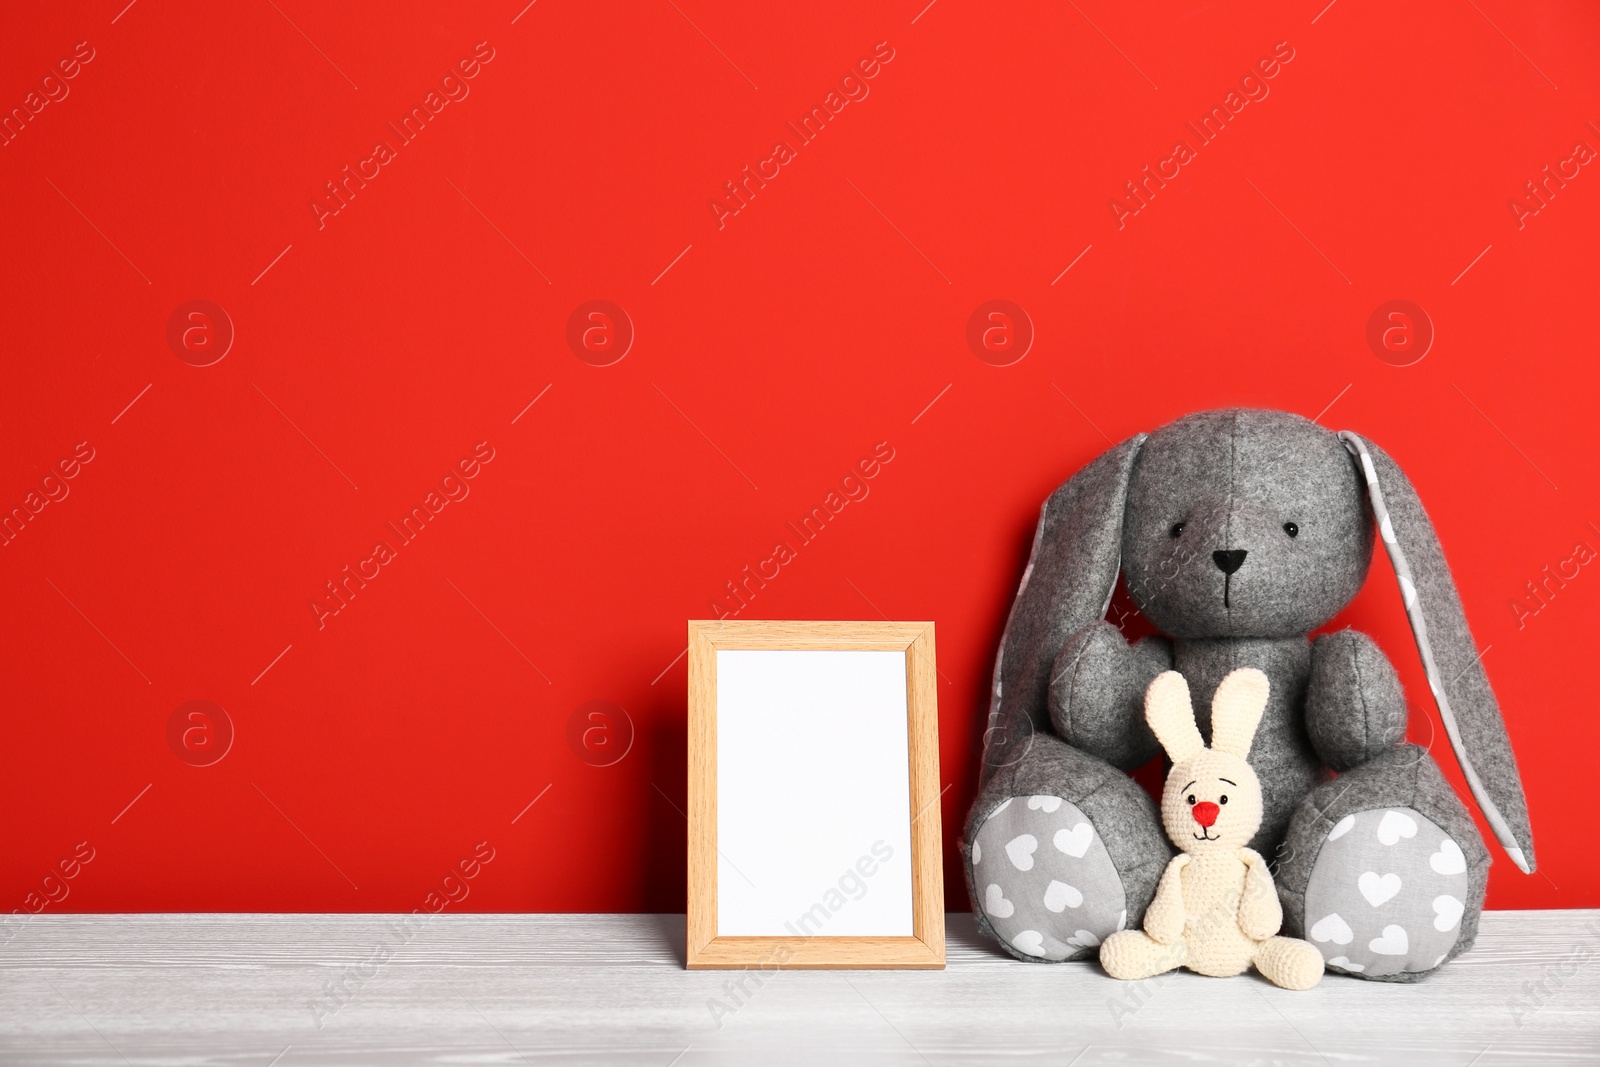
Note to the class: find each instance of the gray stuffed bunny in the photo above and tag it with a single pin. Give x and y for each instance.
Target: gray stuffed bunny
(1238, 533)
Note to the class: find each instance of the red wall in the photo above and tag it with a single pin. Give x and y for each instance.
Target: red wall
(379, 345)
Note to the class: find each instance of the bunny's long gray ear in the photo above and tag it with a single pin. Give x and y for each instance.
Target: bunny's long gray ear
(1467, 706)
(1071, 574)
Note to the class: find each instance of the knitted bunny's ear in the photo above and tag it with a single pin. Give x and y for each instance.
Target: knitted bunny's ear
(1236, 711)
(1170, 714)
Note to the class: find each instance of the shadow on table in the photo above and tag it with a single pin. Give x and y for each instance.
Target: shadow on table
(670, 928)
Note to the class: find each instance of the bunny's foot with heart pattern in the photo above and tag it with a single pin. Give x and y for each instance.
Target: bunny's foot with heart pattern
(1379, 870)
(1048, 886)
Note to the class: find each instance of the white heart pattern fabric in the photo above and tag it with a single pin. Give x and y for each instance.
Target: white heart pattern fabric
(1044, 882)
(1378, 889)
(1021, 849)
(1388, 893)
(1060, 896)
(1447, 912)
(1076, 841)
(1393, 942)
(1332, 928)
(1394, 825)
(1449, 859)
(995, 904)
(1029, 941)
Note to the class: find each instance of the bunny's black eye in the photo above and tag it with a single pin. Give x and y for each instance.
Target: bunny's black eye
(1177, 530)
(1191, 798)
(1222, 799)
(1291, 529)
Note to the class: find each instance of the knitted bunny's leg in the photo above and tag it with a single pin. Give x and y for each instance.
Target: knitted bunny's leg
(1134, 954)
(1289, 962)
(1062, 850)
(1383, 870)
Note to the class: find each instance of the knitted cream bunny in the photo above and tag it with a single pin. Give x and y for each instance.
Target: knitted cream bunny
(1216, 910)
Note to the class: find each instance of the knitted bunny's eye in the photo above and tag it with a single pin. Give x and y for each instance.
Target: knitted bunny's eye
(1223, 799)
(1291, 529)
(1191, 798)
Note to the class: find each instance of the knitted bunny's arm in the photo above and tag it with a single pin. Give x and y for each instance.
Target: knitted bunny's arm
(1165, 917)
(1260, 913)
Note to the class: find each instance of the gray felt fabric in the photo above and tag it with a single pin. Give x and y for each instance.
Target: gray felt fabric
(1355, 708)
(1387, 895)
(1238, 534)
(1233, 479)
(1097, 694)
(1404, 777)
(1066, 586)
(1453, 663)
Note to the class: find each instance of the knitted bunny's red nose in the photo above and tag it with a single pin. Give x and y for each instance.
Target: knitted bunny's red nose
(1205, 813)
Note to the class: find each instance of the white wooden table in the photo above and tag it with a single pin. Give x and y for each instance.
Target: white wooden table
(593, 989)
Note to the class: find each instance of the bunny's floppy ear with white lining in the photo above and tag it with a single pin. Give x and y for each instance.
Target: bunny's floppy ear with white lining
(1236, 710)
(1072, 571)
(1170, 713)
(1467, 705)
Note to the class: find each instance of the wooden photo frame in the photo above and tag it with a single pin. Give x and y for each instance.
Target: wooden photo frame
(814, 830)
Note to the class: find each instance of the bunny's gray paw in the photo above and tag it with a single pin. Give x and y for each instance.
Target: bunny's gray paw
(1387, 895)
(1383, 870)
(1062, 851)
(1097, 693)
(1049, 888)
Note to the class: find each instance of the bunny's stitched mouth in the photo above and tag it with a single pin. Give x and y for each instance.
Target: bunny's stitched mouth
(1205, 835)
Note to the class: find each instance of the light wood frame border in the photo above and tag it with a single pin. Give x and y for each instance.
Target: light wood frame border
(924, 949)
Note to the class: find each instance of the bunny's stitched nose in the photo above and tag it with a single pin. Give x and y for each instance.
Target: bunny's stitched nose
(1229, 560)
(1205, 813)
